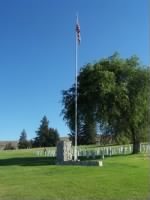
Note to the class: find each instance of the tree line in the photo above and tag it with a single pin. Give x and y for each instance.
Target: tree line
(113, 96)
(45, 136)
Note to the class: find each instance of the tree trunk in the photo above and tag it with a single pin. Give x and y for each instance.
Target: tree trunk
(136, 147)
(136, 141)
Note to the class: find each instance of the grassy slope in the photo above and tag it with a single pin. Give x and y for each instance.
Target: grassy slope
(22, 176)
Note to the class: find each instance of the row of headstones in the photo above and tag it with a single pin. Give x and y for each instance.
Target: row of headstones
(87, 153)
(106, 151)
(145, 148)
(49, 153)
(109, 151)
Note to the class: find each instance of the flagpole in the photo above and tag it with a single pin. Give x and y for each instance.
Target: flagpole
(76, 93)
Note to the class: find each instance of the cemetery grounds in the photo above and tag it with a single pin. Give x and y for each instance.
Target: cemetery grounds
(24, 175)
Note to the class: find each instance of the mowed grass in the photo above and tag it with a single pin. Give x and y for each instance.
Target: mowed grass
(24, 176)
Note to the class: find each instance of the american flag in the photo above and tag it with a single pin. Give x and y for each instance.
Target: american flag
(78, 32)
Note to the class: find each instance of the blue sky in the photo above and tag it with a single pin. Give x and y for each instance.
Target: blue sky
(37, 53)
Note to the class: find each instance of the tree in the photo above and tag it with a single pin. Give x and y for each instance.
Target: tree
(23, 142)
(113, 93)
(86, 133)
(43, 133)
(53, 137)
(45, 136)
(9, 146)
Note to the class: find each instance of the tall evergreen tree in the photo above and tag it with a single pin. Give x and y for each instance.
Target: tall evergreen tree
(43, 133)
(45, 136)
(23, 142)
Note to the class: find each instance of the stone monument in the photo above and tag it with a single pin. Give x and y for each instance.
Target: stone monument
(64, 156)
(64, 151)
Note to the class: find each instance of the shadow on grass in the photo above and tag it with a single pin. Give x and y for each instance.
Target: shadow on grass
(101, 158)
(38, 161)
(28, 161)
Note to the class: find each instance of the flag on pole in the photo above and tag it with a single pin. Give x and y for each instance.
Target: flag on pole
(78, 31)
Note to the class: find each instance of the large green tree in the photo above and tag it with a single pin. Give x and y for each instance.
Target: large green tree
(113, 93)
(86, 124)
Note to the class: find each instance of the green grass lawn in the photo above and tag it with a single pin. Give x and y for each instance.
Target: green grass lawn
(24, 176)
